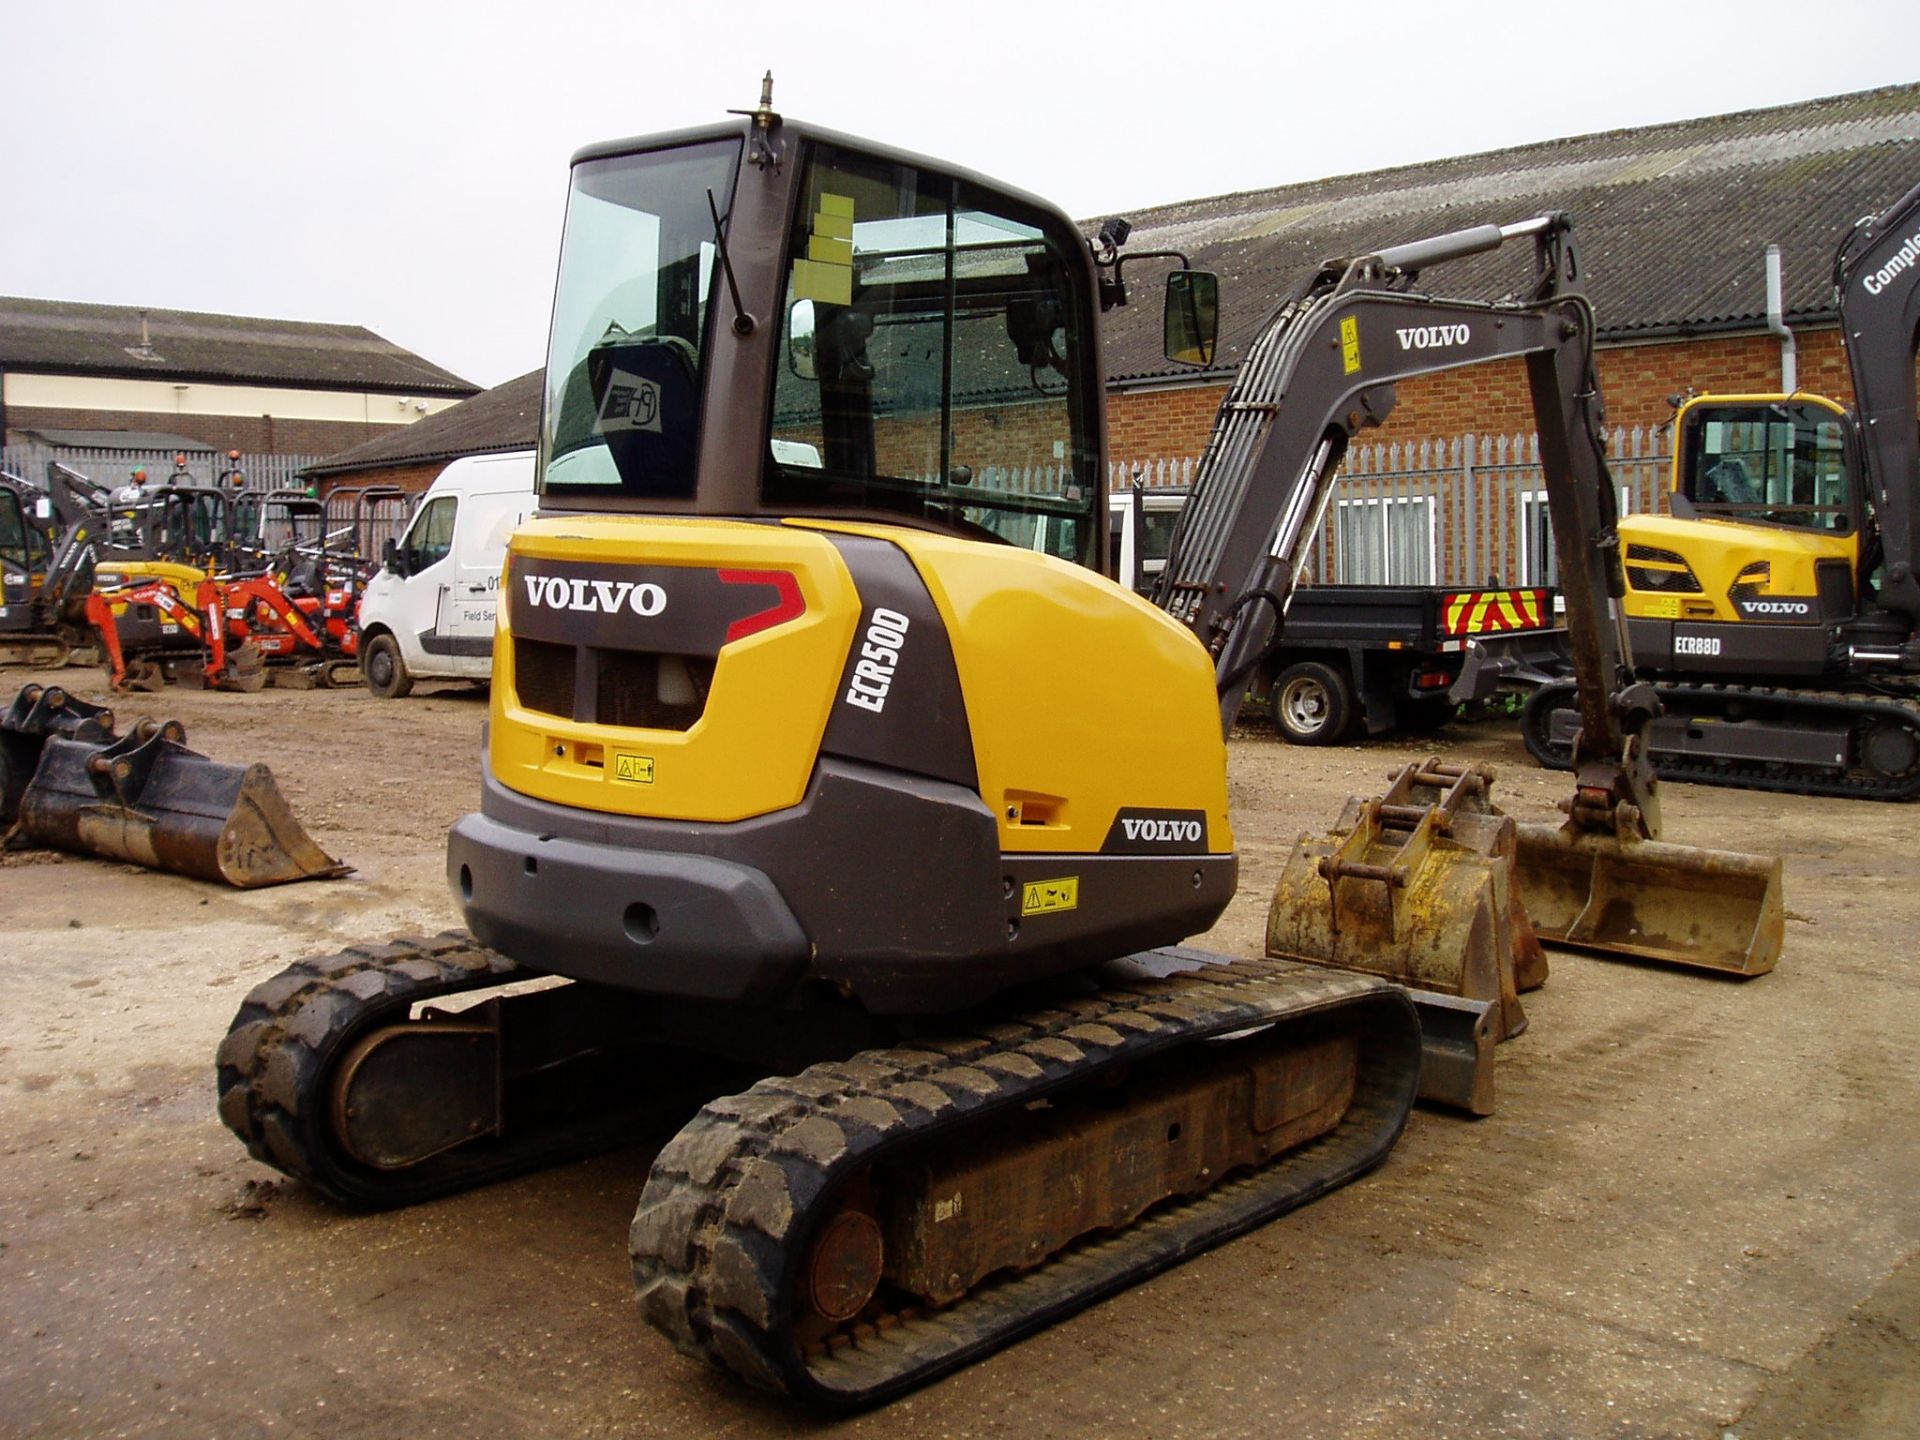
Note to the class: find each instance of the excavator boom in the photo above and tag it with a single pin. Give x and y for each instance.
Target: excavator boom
(1876, 277)
(1324, 367)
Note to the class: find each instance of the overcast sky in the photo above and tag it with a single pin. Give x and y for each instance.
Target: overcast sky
(403, 166)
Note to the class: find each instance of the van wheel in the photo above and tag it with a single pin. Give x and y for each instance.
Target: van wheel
(385, 672)
(1312, 704)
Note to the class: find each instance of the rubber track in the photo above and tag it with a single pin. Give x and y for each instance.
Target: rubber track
(730, 1204)
(273, 1062)
(1752, 774)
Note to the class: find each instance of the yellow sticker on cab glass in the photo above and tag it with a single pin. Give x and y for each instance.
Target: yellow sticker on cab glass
(634, 769)
(1350, 343)
(1043, 897)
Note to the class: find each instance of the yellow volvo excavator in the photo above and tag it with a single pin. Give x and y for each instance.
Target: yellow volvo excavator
(1777, 605)
(832, 804)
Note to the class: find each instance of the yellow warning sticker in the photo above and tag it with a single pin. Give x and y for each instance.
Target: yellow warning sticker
(1350, 343)
(828, 284)
(829, 251)
(826, 275)
(634, 769)
(1663, 607)
(1043, 897)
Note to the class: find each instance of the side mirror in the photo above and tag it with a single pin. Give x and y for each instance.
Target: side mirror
(1192, 322)
(43, 509)
(800, 323)
(390, 557)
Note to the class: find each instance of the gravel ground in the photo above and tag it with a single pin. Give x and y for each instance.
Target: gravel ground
(1694, 1212)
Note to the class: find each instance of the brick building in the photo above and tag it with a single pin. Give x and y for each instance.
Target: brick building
(506, 417)
(1672, 222)
(229, 382)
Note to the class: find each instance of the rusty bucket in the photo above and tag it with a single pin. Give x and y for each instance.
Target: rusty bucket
(146, 798)
(1717, 910)
(1416, 886)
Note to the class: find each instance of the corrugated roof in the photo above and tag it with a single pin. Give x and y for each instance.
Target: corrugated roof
(506, 417)
(1672, 221)
(68, 338)
(114, 440)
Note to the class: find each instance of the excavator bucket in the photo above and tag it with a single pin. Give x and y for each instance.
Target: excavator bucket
(146, 798)
(38, 713)
(1648, 900)
(1416, 886)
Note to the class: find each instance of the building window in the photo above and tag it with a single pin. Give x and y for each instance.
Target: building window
(1539, 563)
(1386, 541)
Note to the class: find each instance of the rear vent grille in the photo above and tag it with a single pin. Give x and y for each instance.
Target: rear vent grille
(543, 675)
(631, 688)
(651, 692)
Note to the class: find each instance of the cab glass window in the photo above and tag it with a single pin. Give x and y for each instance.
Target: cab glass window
(432, 534)
(934, 361)
(622, 408)
(1784, 464)
(13, 530)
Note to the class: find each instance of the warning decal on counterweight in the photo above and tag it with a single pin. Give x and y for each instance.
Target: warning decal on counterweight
(1043, 897)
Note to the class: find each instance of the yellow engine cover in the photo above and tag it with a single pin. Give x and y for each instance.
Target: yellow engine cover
(1080, 698)
(1767, 560)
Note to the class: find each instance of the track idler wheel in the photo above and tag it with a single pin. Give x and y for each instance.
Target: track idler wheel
(844, 1267)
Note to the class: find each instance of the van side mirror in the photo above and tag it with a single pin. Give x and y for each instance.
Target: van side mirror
(1191, 324)
(390, 557)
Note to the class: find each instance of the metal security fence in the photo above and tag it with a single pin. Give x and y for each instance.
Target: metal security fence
(113, 466)
(1470, 510)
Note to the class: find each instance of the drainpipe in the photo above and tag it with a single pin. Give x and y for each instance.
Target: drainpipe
(1777, 324)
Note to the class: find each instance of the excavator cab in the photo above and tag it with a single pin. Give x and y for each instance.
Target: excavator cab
(1778, 560)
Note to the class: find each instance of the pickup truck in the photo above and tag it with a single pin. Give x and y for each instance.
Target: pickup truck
(1382, 656)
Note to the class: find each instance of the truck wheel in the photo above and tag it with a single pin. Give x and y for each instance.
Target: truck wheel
(385, 672)
(1312, 704)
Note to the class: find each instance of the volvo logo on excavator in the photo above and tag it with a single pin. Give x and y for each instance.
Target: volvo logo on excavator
(1434, 337)
(594, 597)
(1146, 831)
(1791, 609)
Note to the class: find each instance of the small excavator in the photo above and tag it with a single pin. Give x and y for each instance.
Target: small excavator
(866, 841)
(49, 545)
(1776, 608)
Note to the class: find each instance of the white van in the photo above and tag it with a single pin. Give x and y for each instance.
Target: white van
(428, 614)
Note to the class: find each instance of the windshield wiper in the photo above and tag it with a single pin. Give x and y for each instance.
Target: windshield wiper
(742, 321)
